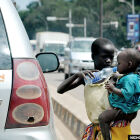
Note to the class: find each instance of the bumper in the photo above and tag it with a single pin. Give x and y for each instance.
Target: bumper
(32, 133)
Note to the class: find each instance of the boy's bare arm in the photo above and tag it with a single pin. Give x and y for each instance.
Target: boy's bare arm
(70, 83)
(74, 81)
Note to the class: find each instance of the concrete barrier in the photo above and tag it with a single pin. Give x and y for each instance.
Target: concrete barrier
(75, 125)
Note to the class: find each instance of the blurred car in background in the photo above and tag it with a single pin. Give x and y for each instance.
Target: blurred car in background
(137, 46)
(114, 63)
(33, 44)
(25, 104)
(78, 56)
(53, 42)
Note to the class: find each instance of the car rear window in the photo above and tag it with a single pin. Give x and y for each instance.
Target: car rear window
(5, 56)
(81, 46)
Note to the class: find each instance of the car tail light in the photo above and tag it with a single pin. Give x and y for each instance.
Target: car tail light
(29, 104)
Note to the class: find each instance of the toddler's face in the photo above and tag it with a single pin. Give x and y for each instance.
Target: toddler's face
(122, 66)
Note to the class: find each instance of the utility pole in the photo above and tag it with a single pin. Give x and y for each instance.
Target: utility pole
(133, 7)
(101, 18)
(70, 25)
(85, 29)
(70, 22)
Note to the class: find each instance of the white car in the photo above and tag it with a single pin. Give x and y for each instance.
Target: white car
(25, 106)
(78, 56)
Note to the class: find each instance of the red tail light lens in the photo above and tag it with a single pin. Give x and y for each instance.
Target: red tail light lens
(29, 104)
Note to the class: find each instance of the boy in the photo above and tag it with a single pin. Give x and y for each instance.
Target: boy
(102, 51)
(125, 96)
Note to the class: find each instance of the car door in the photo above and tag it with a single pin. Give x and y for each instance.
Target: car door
(5, 73)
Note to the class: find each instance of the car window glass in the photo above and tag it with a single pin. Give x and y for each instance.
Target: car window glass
(81, 46)
(55, 48)
(5, 57)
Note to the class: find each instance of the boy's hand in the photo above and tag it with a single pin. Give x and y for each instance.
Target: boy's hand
(86, 73)
(109, 86)
(90, 73)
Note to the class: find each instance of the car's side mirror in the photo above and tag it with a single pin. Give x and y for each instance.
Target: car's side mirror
(48, 61)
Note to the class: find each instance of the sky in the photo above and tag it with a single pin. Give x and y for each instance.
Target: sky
(23, 3)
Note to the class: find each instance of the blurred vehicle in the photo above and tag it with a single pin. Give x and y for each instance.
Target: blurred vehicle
(33, 44)
(49, 37)
(114, 63)
(25, 104)
(53, 42)
(137, 46)
(78, 56)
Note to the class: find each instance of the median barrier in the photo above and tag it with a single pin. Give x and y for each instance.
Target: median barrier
(75, 125)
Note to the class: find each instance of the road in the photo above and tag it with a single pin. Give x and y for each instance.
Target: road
(56, 78)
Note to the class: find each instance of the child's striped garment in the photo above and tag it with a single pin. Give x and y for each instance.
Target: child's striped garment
(119, 131)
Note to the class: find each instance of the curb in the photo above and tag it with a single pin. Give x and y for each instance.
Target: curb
(76, 126)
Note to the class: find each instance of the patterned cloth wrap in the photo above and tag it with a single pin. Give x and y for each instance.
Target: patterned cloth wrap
(119, 131)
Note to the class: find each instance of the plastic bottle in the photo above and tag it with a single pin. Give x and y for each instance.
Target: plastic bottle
(104, 73)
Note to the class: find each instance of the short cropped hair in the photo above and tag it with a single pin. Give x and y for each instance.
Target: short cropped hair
(96, 45)
(134, 56)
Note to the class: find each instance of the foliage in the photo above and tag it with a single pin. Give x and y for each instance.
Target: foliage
(34, 18)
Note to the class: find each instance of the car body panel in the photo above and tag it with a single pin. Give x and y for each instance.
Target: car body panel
(5, 92)
(33, 133)
(18, 39)
(20, 48)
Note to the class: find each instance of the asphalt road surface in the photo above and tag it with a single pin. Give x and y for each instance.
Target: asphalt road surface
(57, 78)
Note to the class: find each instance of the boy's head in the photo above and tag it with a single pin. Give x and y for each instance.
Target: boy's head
(128, 61)
(102, 51)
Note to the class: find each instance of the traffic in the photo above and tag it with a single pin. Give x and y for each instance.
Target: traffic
(52, 77)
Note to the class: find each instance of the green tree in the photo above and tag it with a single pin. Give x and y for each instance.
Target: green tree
(34, 18)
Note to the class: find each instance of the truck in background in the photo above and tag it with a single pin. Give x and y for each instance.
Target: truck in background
(53, 42)
(33, 44)
(78, 56)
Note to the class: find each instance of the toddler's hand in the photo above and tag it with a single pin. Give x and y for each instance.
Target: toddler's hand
(109, 86)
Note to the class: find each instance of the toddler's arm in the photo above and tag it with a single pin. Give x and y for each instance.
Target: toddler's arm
(112, 89)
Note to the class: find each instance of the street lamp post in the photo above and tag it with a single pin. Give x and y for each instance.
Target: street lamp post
(131, 5)
(79, 25)
(115, 23)
(85, 29)
(70, 25)
(53, 18)
(70, 22)
(101, 18)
